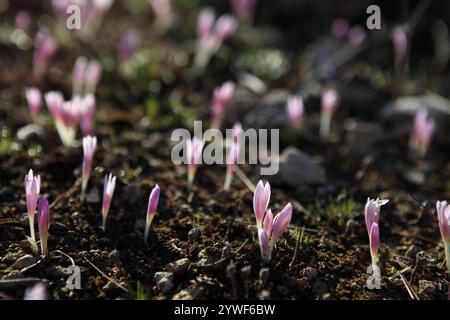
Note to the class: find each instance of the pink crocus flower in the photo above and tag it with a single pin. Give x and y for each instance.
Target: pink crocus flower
(261, 199)
(93, 76)
(87, 114)
(32, 190)
(194, 149)
(127, 46)
(339, 28)
(36, 292)
(244, 9)
(151, 209)
(108, 191)
(34, 99)
(374, 240)
(222, 97)
(422, 132)
(43, 223)
(78, 75)
(295, 110)
(45, 48)
(329, 102)
(272, 230)
(400, 43)
(89, 145)
(233, 154)
(372, 212)
(443, 213)
(356, 36)
(205, 23)
(225, 26)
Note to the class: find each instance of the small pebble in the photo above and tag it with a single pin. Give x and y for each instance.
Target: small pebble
(25, 261)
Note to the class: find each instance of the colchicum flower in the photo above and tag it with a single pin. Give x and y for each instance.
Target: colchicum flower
(43, 223)
(295, 110)
(151, 209)
(400, 44)
(93, 76)
(32, 190)
(422, 132)
(339, 28)
(233, 154)
(34, 100)
(78, 76)
(85, 77)
(194, 149)
(372, 218)
(89, 145)
(222, 97)
(329, 103)
(272, 230)
(261, 199)
(244, 9)
(128, 44)
(87, 114)
(45, 48)
(211, 34)
(108, 191)
(443, 213)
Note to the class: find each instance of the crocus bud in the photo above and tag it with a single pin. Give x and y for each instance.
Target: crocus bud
(264, 245)
(78, 75)
(329, 103)
(244, 9)
(32, 190)
(43, 223)
(37, 292)
(89, 145)
(87, 114)
(225, 26)
(422, 132)
(108, 191)
(222, 97)
(268, 222)
(233, 154)
(372, 212)
(339, 28)
(194, 149)
(205, 22)
(294, 108)
(151, 209)
(281, 222)
(356, 36)
(400, 43)
(93, 75)
(128, 45)
(45, 48)
(34, 99)
(443, 213)
(374, 242)
(261, 199)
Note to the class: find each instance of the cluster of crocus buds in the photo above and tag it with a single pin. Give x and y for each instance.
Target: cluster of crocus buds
(194, 150)
(32, 189)
(211, 34)
(269, 228)
(89, 145)
(108, 191)
(45, 48)
(34, 100)
(372, 218)
(222, 97)
(400, 44)
(443, 213)
(85, 77)
(151, 209)
(43, 212)
(295, 110)
(329, 102)
(244, 9)
(422, 132)
(127, 46)
(233, 154)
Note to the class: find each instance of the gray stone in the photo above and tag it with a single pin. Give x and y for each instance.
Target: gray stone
(179, 267)
(310, 273)
(25, 261)
(164, 281)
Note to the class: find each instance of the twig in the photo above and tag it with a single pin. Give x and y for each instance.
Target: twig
(409, 288)
(296, 248)
(103, 274)
(245, 180)
(241, 246)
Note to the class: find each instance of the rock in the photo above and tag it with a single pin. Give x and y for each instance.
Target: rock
(189, 294)
(193, 234)
(296, 168)
(319, 287)
(226, 252)
(164, 281)
(310, 273)
(263, 295)
(412, 251)
(25, 261)
(361, 136)
(179, 267)
(204, 258)
(270, 112)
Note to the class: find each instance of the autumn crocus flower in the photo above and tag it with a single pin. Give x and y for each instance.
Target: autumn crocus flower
(128, 44)
(151, 209)
(339, 28)
(233, 154)
(261, 199)
(34, 100)
(443, 213)
(194, 149)
(87, 114)
(211, 34)
(329, 103)
(93, 75)
(272, 230)
(89, 145)
(43, 223)
(78, 75)
(372, 218)
(374, 241)
(422, 132)
(294, 109)
(244, 9)
(400, 44)
(32, 190)
(45, 48)
(108, 191)
(222, 97)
